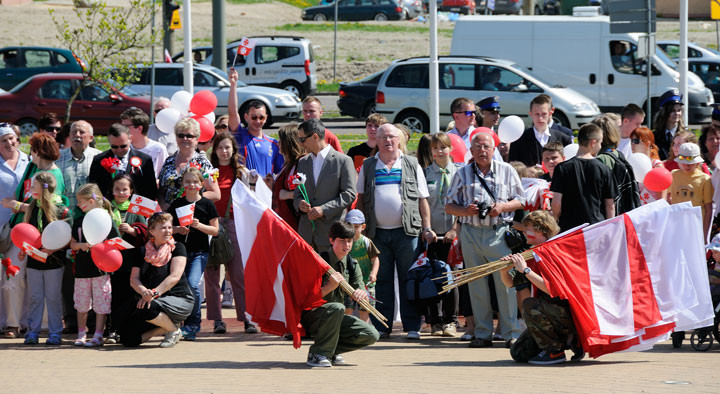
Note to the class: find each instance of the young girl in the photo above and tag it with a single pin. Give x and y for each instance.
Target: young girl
(44, 279)
(92, 286)
(195, 237)
(123, 189)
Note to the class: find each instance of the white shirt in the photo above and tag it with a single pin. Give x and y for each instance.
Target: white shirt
(388, 197)
(625, 147)
(542, 137)
(318, 161)
(466, 137)
(158, 152)
(671, 131)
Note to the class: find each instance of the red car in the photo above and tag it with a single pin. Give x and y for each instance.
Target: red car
(101, 105)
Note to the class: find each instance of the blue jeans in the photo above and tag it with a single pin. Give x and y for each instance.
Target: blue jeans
(194, 269)
(44, 288)
(397, 251)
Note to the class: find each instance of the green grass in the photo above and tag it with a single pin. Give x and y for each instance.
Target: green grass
(356, 26)
(101, 143)
(296, 3)
(328, 87)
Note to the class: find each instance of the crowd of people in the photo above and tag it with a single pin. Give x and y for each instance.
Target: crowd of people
(370, 213)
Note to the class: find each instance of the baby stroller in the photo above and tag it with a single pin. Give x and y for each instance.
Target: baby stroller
(702, 338)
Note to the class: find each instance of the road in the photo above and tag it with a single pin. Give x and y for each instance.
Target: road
(343, 125)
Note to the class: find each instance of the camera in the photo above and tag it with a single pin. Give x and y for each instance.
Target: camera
(483, 209)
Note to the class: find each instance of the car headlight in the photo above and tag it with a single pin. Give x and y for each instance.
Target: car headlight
(303, 13)
(286, 100)
(584, 107)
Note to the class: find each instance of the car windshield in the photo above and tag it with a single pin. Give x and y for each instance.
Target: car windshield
(129, 91)
(665, 58)
(535, 78)
(375, 76)
(226, 78)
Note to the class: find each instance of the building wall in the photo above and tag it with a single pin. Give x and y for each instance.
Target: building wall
(671, 8)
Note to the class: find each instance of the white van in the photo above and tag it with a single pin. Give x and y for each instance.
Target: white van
(582, 54)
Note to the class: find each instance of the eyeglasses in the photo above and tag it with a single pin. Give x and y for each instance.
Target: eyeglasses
(119, 146)
(258, 117)
(53, 128)
(185, 136)
(221, 126)
(467, 113)
(635, 141)
(303, 139)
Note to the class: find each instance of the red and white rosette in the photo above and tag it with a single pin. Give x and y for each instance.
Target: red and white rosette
(135, 164)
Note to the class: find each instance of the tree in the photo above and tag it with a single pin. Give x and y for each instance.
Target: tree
(108, 40)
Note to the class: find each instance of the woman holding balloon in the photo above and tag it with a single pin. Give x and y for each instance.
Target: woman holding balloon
(92, 286)
(44, 269)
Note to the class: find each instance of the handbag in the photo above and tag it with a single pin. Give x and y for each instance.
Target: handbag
(514, 239)
(5, 240)
(221, 247)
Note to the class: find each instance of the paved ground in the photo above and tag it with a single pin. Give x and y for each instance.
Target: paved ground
(238, 362)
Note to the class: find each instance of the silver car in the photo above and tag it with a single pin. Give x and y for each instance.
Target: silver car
(281, 104)
(402, 93)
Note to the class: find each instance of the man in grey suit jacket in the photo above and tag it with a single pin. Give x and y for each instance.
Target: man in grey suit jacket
(330, 184)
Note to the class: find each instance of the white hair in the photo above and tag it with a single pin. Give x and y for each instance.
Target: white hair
(79, 123)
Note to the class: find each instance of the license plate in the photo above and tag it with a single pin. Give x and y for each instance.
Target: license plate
(454, 9)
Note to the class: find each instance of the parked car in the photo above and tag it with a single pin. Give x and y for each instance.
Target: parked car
(547, 7)
(412, 8)
(465, 7)
(357, 99)
(502, 7)
(20, 63)
(285, 62)
(100, 104)
(709, 71)
(402, 93)
(695, 51)
(356, 10)
(281, 104)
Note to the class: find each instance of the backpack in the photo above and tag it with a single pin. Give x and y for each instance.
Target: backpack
(421, 286)
(628, 196)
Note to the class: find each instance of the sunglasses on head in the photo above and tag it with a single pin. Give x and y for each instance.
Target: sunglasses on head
(467, 113)
(119, 146)
(258, 117)
(221, 127)
(185, 136)
(53, 128)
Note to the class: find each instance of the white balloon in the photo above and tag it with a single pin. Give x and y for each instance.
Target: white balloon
(181, 101)
(56, 235)
(211, 117)
(511, 128)
(570, 151)
(641, 165)
(717, 160)
(166, 119)
(96, 225)
(468, 156)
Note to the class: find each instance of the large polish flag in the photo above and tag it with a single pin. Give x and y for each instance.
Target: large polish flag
(283, 274)
(633, 279)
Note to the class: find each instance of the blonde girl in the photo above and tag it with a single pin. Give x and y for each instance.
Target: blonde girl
(92, 286)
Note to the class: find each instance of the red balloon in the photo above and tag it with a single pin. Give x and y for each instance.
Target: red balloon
(207, 128)
(26, 232)
(458, 148)
(496, 138)
(203, 102)
(658, 179)
(106, 257)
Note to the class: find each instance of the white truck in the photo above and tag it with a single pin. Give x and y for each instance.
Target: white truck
(582, 54)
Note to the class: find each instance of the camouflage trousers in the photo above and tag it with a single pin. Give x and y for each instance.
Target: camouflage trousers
(549, 327)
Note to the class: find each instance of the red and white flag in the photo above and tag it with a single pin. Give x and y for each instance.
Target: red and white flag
(246, 45)
(34, 252)
(142, 206)
(283, 274)
(185, 214)
(168, 58)
(632, 279)
(120, 243)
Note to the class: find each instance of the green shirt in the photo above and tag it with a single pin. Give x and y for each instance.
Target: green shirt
(364, 250)
(350, 270)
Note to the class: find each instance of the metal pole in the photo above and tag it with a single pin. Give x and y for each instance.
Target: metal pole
(167, 38)
(717, 34)
(648, 64)
(152, 65)
(434, 99)
(684, 56)
(187, 41)
(335, 43)
(219, 40)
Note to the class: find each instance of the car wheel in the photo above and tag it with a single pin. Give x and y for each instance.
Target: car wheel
(28, 126)
(414, 120)
(369, 109)
(560, 117)
(293, 87)
(320, 17)
(380, 17)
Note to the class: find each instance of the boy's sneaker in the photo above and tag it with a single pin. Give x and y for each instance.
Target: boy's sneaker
(413, 335)
(436, 330)
(338, 360)
(227, 298)
(220, 327)
(54, 339)
(171, 339)
(251, 329)
(547, 358)
(449, 330)
(31, 339)
(189, 332)
(318, 360)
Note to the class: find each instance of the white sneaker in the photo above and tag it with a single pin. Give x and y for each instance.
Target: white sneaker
(413, 335)
(227, 298)
(171, 338)
(318, 360)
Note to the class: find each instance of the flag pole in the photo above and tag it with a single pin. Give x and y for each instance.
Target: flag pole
(363, 303)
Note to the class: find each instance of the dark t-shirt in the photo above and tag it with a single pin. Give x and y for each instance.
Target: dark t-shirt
(205, 211)
(54, 260)
(585, 184)
(359, 153)
(546, 176)
(84, 266)
(151, 276)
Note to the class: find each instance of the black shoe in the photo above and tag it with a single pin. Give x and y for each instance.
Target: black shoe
(578, 353)
(548, 358)
(677, 338)
(480, 343)
(510, 342)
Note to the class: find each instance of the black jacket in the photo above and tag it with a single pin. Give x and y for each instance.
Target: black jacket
(528, 150)
(143, 179)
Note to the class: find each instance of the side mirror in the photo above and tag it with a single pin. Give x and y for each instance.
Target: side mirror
(115, 98)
